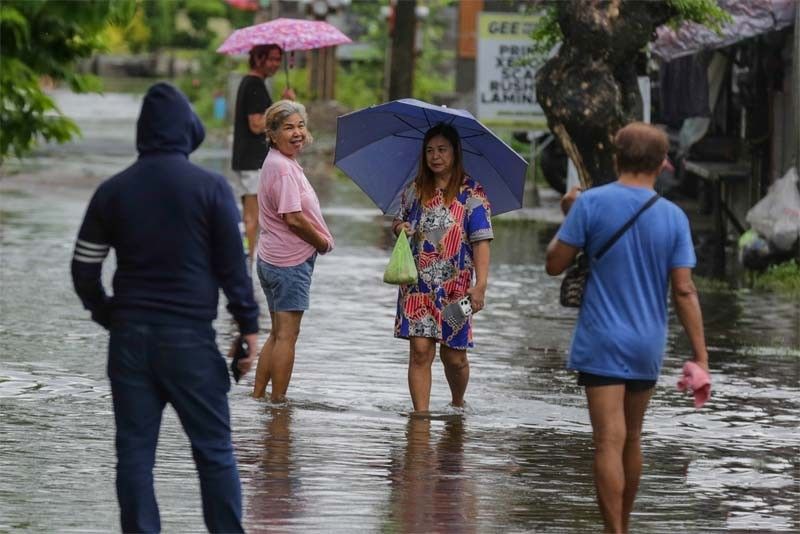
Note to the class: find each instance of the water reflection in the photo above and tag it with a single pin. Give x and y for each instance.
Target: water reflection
(520, 242)
(275, 498)
(430, 489)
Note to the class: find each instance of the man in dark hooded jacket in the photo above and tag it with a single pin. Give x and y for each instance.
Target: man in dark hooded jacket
(174, 228)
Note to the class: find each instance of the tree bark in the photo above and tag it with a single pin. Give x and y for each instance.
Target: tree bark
(589, 90)
(401, 74)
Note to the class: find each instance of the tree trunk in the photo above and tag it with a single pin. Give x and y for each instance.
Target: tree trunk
(588, 90)
(401, 75)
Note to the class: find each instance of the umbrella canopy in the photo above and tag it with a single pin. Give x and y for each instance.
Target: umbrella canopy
(289, 34)
(379, 148)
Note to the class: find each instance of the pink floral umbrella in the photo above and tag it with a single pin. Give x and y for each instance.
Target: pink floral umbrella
(289, 34)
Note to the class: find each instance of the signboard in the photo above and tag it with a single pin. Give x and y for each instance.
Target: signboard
(505, 82)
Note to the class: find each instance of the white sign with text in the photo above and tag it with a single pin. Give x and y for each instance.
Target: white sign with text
(505, 87)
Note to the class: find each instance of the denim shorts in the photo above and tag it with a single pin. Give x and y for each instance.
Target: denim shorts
(286, 288)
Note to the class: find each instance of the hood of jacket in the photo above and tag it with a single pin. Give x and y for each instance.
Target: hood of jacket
(167, 122)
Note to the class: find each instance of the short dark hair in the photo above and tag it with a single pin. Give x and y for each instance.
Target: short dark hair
(641, 148)
(261, 51)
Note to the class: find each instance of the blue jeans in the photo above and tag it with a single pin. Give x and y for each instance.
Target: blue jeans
(149, 366)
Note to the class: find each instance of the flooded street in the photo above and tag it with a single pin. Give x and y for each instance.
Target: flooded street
(343, 455)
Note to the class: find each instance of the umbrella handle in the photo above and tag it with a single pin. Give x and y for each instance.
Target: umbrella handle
(286, 68)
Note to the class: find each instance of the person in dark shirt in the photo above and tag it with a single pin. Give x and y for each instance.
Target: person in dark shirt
(174, 228)
(249, 133)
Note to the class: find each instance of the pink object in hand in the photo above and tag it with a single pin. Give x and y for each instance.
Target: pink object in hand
(698, 381)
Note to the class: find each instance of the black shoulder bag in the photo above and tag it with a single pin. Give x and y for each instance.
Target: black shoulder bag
(574, 281)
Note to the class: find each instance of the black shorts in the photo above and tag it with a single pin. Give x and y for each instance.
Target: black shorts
(590, 380)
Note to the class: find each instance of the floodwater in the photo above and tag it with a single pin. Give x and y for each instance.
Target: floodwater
(343, 455)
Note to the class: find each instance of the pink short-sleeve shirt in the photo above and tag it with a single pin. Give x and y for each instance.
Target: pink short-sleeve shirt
(283, 188)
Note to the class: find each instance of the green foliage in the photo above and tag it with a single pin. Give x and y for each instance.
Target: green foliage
(186, 23)
(26, 112)
(128, 36)
(297, 80)
(362, 82)
(197, 33)
(200, 11)
(361, 85)
(547, 32)
(45, 38)
(210, 80)
(426, 86)
(430, 69)
(160, 17)
(711, 285)
(783, 278)
(373, 26)
(705, 12)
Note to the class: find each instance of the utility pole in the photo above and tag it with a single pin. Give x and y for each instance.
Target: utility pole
(322, 61)
(401, 73)
(796, 94)
(467, 45)
(796, 88)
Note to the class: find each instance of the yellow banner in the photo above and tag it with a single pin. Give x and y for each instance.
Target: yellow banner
(505, 26)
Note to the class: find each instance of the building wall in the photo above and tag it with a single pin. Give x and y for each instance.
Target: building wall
(784, 132)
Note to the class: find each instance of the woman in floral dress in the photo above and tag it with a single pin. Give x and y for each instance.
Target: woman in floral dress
(448, 219)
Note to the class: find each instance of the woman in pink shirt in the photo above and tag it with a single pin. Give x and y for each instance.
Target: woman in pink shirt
(292, 233)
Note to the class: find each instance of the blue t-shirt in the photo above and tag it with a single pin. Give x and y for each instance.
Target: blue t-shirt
(622, 324)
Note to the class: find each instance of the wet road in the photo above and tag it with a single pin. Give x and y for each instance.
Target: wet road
(343, 455)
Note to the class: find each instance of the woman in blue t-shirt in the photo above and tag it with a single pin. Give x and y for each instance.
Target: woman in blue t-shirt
(620, 337)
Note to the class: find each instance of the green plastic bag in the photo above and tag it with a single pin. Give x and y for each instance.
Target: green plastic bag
(401, 268)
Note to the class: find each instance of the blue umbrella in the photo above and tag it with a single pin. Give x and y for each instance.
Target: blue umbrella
(379, 148)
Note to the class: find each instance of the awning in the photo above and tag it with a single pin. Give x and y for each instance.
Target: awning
(750, 18)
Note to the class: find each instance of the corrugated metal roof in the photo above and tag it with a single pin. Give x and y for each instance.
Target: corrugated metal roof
(750, 18)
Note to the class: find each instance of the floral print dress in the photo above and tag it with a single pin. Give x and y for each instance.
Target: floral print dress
(442, 249)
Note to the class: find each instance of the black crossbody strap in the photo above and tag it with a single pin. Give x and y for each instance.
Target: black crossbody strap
(625, 227)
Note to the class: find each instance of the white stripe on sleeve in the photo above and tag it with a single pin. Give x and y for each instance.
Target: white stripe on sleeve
(91, 253)
(87, 259)
(88, 252)
(89, 244)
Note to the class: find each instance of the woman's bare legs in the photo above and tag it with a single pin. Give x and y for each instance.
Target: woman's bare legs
(276, 360)
(262, 368)
(456, 369)
(421, 354)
